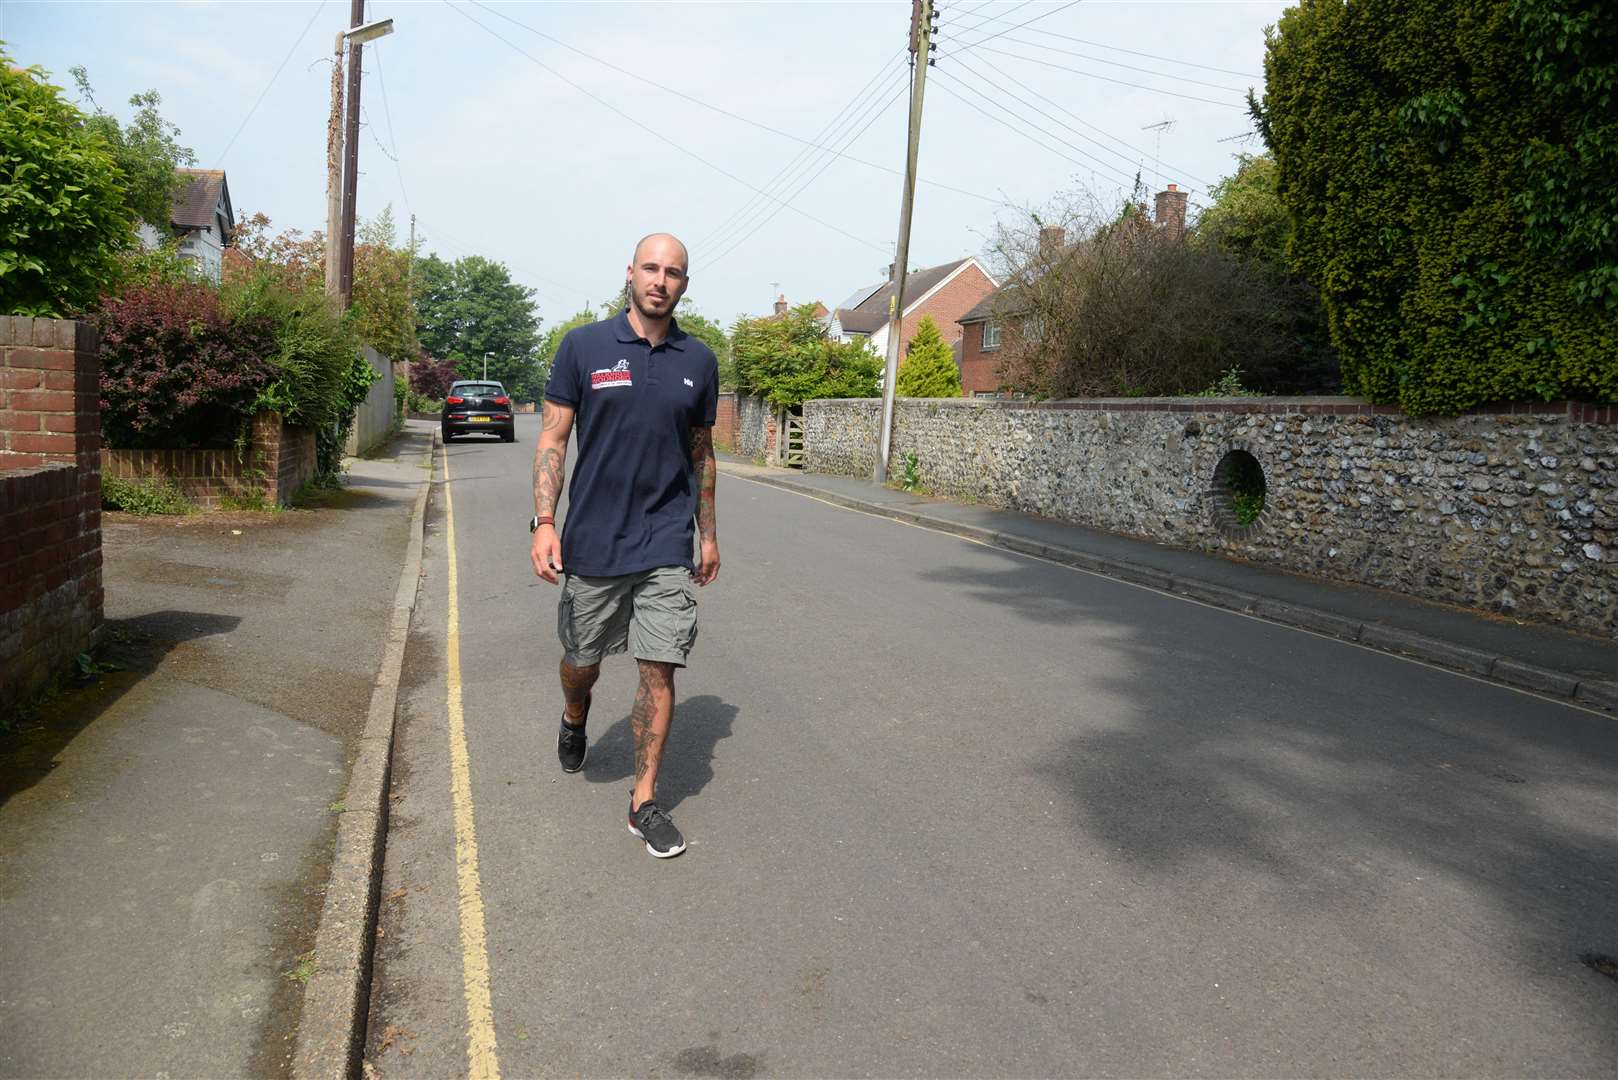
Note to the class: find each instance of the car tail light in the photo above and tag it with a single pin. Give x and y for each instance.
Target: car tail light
(502, 400)
(454, 401)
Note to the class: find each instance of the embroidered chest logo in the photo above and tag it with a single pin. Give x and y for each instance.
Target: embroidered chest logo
(617, 375)
(689, 383)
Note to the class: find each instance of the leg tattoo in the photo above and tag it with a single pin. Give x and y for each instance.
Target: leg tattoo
(576, 683)
(650, 721)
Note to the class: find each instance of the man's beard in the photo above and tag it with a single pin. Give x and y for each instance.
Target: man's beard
(644, 305)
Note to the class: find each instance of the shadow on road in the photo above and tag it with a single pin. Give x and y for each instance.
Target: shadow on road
(131, 649)
(699, 724)
(1247, 746)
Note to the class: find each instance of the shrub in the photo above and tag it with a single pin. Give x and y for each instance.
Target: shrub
(61, 199)
(1448, 170)
(176, 372)
(789, 360)
(431, 378)
(929, 369)
(152, 495)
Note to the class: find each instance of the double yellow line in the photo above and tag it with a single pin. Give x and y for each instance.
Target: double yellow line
(481, 1058)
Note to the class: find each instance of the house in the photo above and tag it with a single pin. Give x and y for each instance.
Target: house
(945, 292)
(782, 307)
(984, 326)
(202, 220)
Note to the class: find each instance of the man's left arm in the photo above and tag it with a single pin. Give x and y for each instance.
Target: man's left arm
(706, 470)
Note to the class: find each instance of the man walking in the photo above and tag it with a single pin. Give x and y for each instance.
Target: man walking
(643, 395)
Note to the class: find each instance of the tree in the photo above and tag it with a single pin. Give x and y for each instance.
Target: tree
(1448, 169)
(147, 151)
(789, 359)
(61, 199)
(470, 307)
(929, 369)
(384, 309)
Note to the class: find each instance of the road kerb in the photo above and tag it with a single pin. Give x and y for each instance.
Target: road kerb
(1383, 638)
(331, 1025)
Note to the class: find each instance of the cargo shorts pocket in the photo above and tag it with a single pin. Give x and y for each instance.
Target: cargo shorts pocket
(564, 619)
(665, 622)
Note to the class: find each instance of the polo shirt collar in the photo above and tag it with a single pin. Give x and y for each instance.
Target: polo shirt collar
(626, 333)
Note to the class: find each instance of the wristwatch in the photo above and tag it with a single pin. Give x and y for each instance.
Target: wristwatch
(536, 521)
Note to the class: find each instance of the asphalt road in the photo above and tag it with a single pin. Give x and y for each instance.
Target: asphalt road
(954, 811)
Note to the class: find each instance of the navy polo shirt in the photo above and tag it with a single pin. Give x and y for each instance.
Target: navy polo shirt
(632, 501)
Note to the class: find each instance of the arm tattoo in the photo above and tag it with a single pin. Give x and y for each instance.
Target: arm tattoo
(548, 474)
(706, 470)
(550, 416)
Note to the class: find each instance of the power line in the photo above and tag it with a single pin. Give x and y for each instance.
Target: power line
(1150, 56)
(1019, 26)
(220, 160)
(1128, 67)
(1139, 154)
(651, 130)
(986, 20)
(792, 172)
(739, 241)
(388, 113)
(944, 84)
(707, 105)
(1120, 82)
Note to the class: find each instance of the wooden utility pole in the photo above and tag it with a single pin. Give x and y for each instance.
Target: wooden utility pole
(351, 159)
(921, 48)
(334, 176)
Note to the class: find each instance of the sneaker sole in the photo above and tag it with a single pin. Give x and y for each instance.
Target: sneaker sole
(656, 854)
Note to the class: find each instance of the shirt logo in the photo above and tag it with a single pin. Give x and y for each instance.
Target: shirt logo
(689, 383)
(617, 375)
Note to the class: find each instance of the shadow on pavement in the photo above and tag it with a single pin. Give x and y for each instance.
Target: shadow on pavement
(133, 648)
(1345, 797)
(699, 725)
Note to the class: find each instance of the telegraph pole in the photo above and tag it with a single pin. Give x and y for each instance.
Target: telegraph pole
(334, 176)
(921, 48)
(351, 159)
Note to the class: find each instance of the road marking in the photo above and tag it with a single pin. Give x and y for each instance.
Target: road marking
(481, 1060)
(1467, 675)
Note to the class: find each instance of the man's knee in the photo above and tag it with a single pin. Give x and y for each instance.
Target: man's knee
(579, 676)
(655, 675)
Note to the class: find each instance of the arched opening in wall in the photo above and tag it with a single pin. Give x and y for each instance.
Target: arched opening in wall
(1238, 493)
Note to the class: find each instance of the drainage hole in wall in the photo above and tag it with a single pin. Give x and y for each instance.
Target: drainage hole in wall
(1239, 487)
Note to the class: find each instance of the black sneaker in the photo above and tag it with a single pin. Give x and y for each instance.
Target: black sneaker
(571, 746)
(652, 824)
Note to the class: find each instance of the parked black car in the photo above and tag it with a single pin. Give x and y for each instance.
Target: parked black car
(477, 405)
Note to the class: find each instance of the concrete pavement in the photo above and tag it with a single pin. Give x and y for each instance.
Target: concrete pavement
(165, 835)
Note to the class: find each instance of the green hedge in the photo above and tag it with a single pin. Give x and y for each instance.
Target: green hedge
(1452, 172)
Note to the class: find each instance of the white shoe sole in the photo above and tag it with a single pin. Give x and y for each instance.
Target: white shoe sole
(656, 854)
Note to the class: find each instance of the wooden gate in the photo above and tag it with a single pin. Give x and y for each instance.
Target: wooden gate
(792, 448)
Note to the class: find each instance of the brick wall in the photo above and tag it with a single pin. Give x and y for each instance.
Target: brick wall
(724, 428)
(278, 460)
(1512, 509)
(980, 368)
(50, 501)
(947, 305)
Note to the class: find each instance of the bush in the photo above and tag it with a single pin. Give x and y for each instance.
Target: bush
(929, 369)
(312, 352)
(789, 360)
(1448, 169)
(1131, 310)
(61, 199)
(431, 379)
(176, 371)
(152, 495)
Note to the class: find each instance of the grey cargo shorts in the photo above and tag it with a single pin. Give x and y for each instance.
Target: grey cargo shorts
(653, 614)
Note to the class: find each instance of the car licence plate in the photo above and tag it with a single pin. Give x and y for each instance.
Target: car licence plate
(478, 419)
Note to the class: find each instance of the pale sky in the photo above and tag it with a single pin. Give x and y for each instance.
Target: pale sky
(498, 156)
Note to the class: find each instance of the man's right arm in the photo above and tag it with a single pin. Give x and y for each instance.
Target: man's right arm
(550, 472)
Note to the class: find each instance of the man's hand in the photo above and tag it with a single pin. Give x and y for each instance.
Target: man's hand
(708, 563)
(547, 553)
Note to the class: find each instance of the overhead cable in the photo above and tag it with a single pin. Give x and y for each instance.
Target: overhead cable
(220, 160)
(1120, 82)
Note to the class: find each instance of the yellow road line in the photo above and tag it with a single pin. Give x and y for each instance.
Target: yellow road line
(481, 1060)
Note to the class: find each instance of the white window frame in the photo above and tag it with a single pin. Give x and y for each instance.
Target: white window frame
(991, 335)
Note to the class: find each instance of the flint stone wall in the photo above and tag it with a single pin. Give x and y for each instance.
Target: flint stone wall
(1513, 510)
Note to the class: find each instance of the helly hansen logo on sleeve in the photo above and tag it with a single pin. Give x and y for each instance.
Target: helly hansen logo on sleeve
(617, 375)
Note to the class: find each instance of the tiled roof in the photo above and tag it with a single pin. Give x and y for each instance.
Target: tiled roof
(917, 283)
(998, 303)
(855, 321)
(195, 203)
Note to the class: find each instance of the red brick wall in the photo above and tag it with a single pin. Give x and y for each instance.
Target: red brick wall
(279, 460)
(947, 305)
(724, 428)
(980, 371)
(50, 501)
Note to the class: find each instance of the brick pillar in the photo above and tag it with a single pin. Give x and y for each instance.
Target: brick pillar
(51, 598)
(267, 439)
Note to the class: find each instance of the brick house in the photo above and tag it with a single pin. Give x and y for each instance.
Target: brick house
(945, 292)
(984, 326)
(202, 220)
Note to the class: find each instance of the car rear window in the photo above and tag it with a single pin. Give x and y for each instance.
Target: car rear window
(480, 390)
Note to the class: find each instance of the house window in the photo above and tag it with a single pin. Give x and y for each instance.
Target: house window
(991, 335)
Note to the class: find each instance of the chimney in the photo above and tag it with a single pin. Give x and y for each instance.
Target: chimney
(1051, 238)
(781, 304)
(890, 271)
(1171, 211)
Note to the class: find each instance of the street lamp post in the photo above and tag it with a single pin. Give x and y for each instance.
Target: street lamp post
(486, 365)
(342, 155)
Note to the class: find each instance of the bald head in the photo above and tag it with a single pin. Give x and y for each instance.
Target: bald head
(667, 243)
